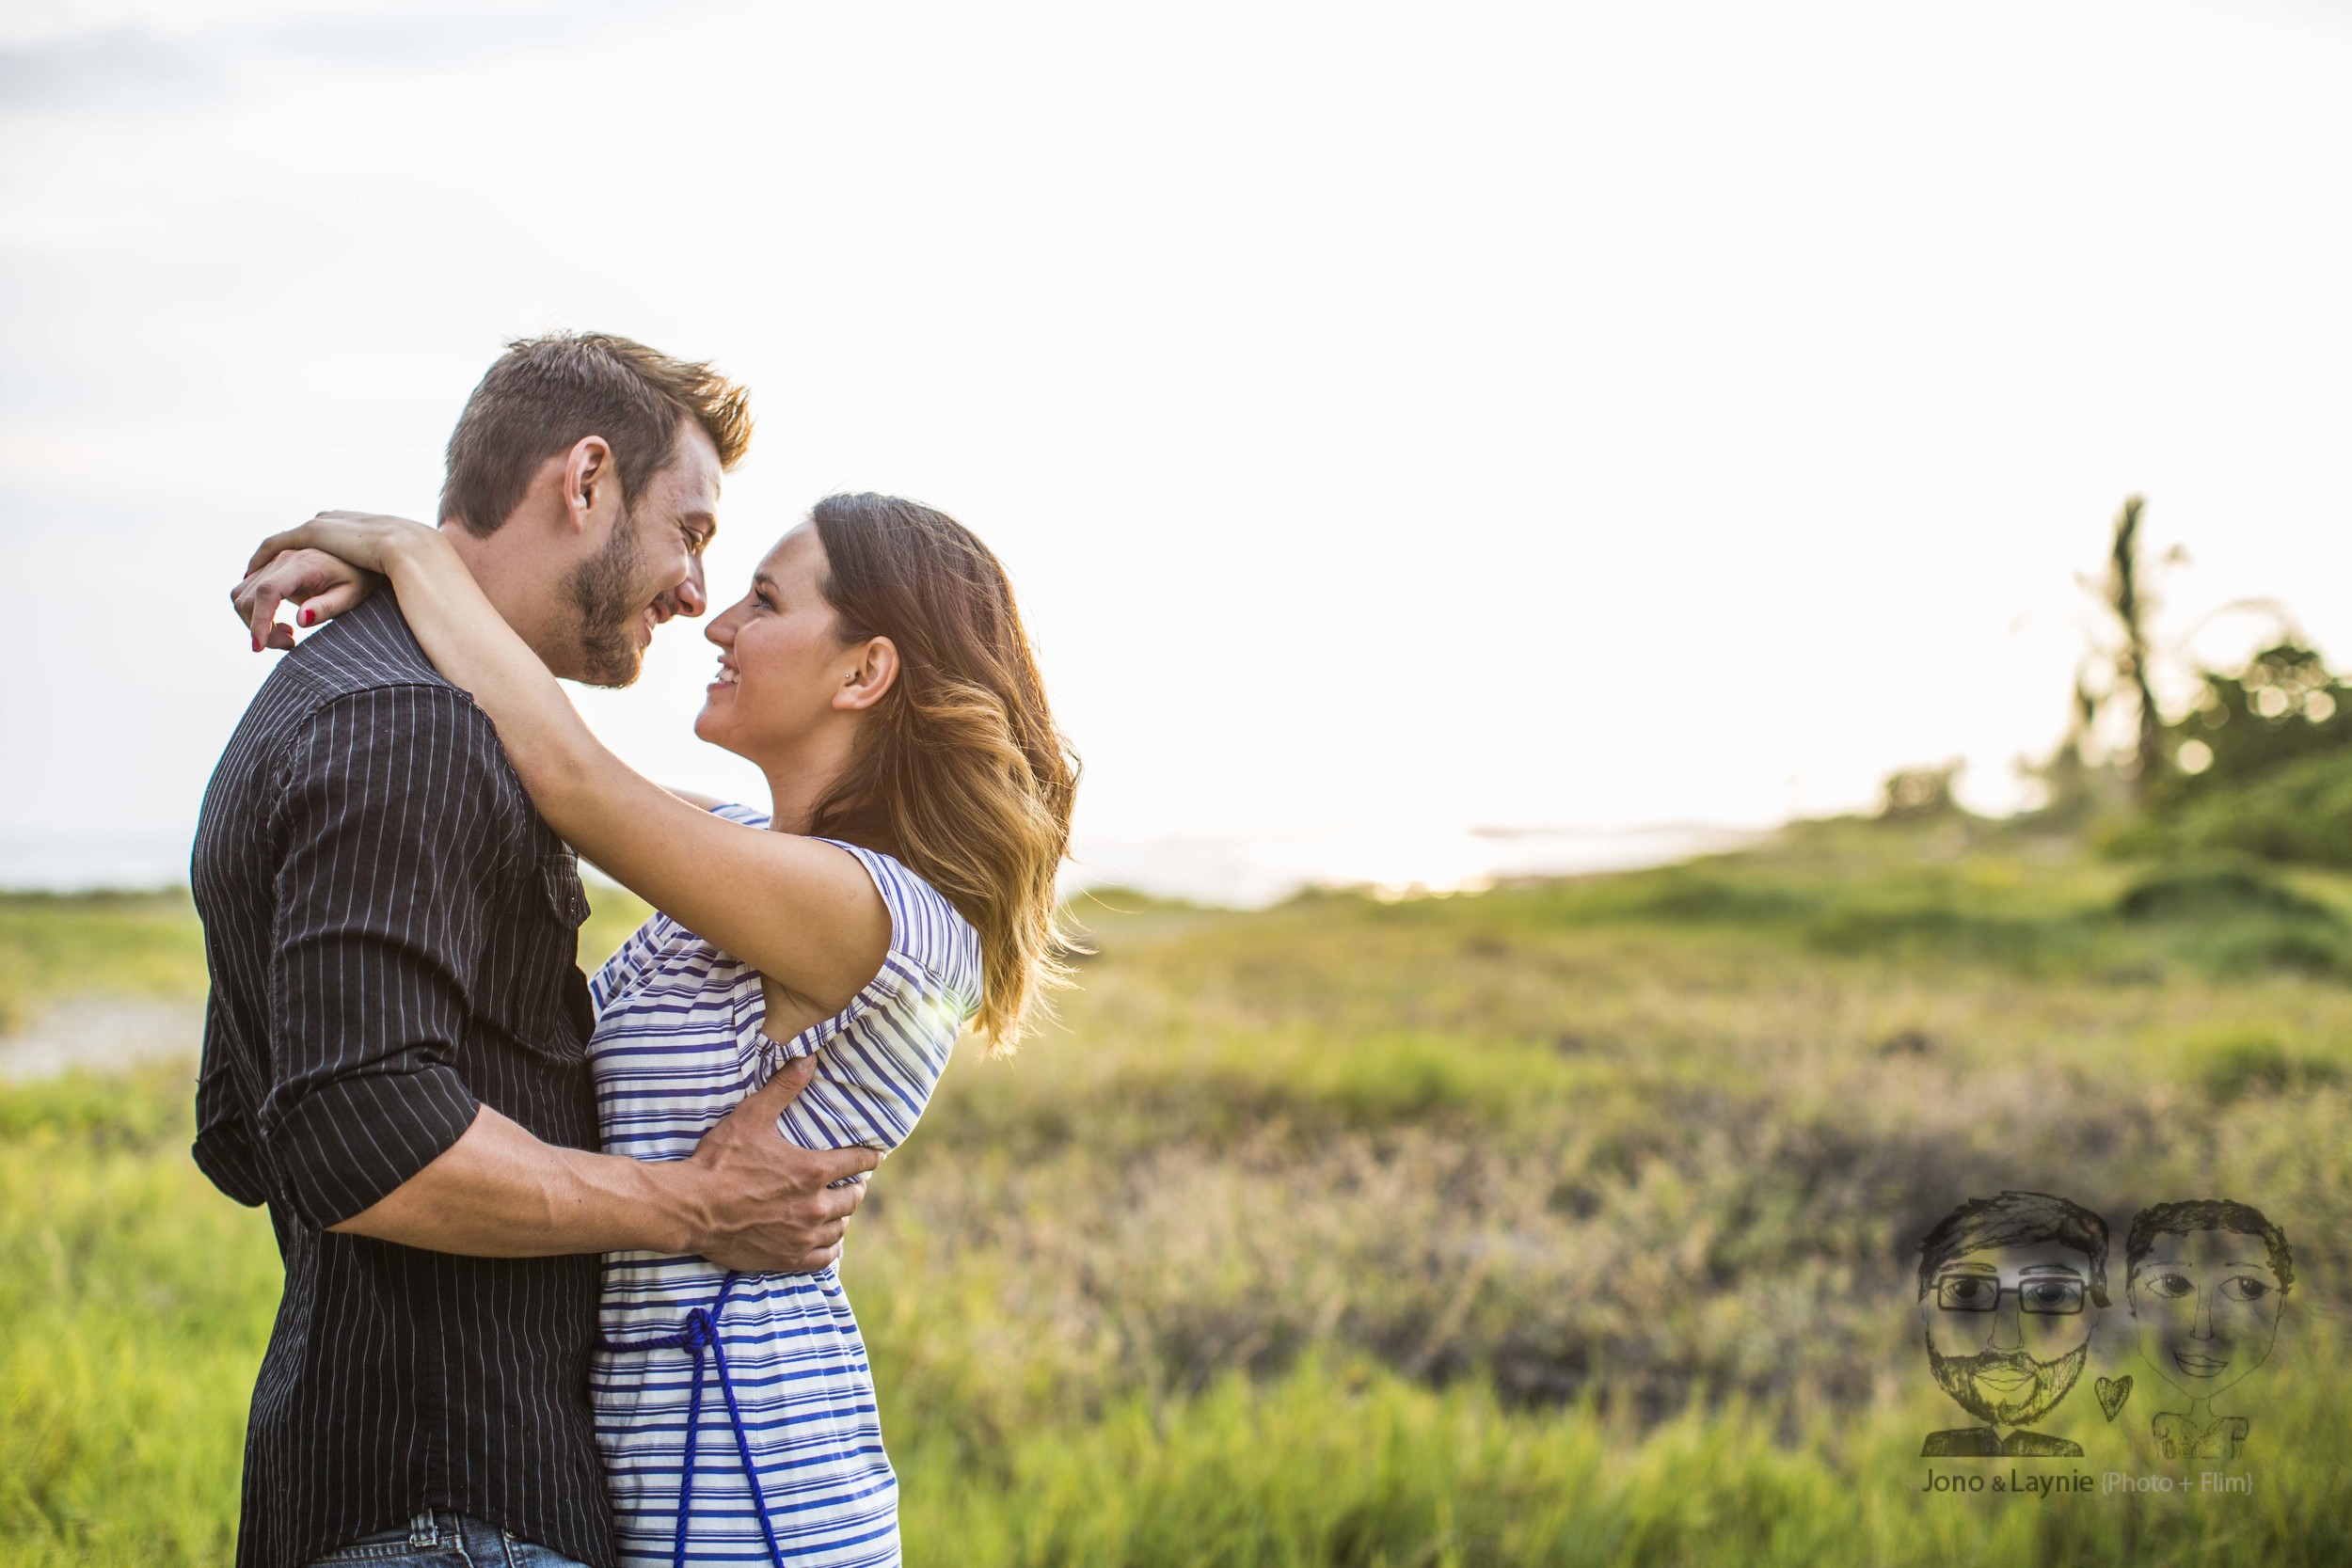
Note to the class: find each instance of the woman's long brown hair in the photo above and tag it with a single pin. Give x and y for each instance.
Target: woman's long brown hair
(960, 772)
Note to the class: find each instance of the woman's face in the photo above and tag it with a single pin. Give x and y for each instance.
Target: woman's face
(2208, 1309)
(782, 662)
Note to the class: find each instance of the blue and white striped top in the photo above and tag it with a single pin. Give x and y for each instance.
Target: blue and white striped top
(678, 1042)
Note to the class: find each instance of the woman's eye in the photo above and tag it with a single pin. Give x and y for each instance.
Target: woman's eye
(2171, 1285)
(2243, 1288)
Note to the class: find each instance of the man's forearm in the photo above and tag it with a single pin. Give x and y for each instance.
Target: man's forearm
(747, 1200)
(498, 1192)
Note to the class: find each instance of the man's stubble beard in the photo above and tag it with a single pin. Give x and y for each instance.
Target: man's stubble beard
(2052, 1382)
(604, 593)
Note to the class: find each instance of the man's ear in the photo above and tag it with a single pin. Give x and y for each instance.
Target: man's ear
(591, 481)
(870, 679)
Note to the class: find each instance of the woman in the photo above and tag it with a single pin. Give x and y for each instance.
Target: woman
(879, 674)
(2207, 1280)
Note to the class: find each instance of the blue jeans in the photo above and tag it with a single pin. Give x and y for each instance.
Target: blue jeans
(442, 1540)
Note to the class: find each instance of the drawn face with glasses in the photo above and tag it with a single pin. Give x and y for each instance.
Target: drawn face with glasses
(2007, 1329)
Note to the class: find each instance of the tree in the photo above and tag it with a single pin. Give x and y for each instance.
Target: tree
(2115, 733)
(1911, 794)
(2128, 599)
(2282, 706)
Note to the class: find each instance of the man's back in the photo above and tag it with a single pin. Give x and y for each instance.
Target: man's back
(392, 934)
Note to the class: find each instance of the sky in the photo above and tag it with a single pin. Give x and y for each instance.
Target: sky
(1397, 420)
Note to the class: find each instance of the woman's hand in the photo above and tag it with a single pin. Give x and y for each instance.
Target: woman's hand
(369, 540)
(328, 565)
(325, 585)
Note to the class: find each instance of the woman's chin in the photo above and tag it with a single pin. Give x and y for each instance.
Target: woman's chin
(712, 729)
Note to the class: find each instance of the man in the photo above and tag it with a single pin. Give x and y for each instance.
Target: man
(394, 1050)
(2002, 1285)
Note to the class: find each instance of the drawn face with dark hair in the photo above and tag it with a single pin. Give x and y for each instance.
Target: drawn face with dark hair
(2008, 1328)
(2207, 1304)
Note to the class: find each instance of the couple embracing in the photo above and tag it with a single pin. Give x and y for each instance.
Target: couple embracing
(561, 1280)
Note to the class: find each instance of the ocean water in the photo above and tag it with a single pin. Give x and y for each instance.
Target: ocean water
(1239, 870)
(86, 861)
(1251, 870)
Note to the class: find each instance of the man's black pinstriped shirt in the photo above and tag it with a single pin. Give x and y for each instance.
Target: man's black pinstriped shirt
(390, 930)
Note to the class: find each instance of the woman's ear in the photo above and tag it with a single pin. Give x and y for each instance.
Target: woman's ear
(870, 680)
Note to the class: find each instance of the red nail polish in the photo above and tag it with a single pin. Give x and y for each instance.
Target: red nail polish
(309, 616)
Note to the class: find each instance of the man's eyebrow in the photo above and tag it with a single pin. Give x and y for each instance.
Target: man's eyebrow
(1967, 1268)
(2050, 1268)
(706, 521)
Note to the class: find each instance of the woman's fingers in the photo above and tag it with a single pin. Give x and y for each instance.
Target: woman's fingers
(277, 544)
(332, 601)
(325, 586)
(359, 538)
(257, 599)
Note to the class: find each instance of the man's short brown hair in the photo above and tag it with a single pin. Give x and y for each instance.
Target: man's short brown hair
(546, 393)
(2016, 1219)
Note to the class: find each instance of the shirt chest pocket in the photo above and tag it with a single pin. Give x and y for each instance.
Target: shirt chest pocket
(538, 997)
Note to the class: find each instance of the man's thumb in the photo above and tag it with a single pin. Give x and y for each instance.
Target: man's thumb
(786, 1086)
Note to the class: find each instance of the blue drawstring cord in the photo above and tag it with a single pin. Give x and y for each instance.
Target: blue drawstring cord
(701, 1330)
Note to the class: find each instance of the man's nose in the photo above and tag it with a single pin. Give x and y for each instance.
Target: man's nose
(687, 598)
(2009, 1329)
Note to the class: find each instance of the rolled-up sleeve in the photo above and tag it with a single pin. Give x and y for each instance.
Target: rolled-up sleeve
(392, 853)
(224, 1148)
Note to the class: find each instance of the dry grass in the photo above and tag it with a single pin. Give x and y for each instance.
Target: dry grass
(1571, 1223)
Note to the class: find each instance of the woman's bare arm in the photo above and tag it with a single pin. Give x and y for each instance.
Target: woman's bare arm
(802, 912)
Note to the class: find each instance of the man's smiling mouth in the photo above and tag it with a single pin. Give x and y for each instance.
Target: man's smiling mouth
(2198, 1365)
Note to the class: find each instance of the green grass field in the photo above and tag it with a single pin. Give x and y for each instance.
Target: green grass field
(1567, 1222)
